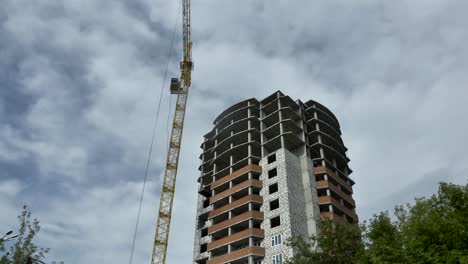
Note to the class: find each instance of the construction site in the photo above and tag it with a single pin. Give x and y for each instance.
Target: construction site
(269, 169)
(133, 131)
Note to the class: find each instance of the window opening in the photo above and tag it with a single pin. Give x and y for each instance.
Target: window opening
(272, 173)
(271, 158)
(276, 221)
(273, 188)
(274, 204)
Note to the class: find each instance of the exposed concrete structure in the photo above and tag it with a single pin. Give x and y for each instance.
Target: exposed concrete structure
(269, 170)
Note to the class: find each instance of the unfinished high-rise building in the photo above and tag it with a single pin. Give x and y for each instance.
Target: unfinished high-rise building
(269, 169)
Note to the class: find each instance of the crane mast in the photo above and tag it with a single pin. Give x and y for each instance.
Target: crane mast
(181, 88)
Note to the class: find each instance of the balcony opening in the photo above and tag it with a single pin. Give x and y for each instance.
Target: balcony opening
(324, 208)
(206, 203)
(274, 204)
(256, 207)
(257, 224)
(204, 232)
(319, 177)
(203, 248)
(219, 251)
(220, 234)
(322, 192)
(240, 244)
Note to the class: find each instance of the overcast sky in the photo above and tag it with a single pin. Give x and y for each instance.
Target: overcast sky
(80, 80)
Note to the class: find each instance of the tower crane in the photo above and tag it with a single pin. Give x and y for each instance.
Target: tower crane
(181, 89)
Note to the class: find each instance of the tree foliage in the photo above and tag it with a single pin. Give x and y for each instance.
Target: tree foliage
(24, 250)
(432, 230)
(324, 248)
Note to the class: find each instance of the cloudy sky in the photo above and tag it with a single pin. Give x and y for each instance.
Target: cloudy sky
(80, 81)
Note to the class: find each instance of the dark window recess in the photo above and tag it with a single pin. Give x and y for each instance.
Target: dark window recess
(206, 203)
(271, 158)
(203, 248)
(272, 173)
(273, 188)
(275, 222)
(204, 232)
(205, 191)
(319, 177)
(274, 204)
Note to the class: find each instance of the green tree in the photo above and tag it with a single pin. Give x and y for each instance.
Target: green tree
(384, 241)
(24, 250)
(336, 243)
(431, 231)
(435, 230)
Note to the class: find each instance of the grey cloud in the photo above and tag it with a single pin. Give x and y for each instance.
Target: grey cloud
(80, 79)
(423, 186)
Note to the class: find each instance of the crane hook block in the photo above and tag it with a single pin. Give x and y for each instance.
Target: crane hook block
(175, 86)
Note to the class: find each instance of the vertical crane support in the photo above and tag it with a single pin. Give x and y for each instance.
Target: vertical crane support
(167, 193)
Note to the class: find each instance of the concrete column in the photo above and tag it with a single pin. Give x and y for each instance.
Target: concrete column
(214, 178)
(229, 233)
(322, 153)
(251, 260)
(249, 139)
(325, 177)
(328, 192)
(330, 207)
(231, 162)
(281, 125)
(250, 153)
(262, 139)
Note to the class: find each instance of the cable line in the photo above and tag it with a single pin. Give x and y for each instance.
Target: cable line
(152, 138)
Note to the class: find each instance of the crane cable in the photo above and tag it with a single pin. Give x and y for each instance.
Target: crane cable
(153, 135)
